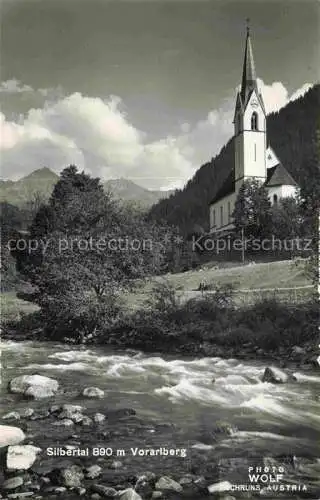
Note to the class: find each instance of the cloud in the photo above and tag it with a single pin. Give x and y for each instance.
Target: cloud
(14, 87)
(98, 136)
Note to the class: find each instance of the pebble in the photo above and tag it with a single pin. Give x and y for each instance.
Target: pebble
(86, 421)
(13, 415)
(26, 413)
(116, 464)
(99, 418)
(93, 471)
(66, 422)
(23, 494)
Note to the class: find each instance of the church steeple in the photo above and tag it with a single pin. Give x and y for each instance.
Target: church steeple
(249, 79)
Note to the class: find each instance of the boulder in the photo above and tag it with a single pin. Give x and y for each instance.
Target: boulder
(70, 477)
(93, 392)
(10, 435)
(104, 491)
(165, 483)
(276, 376)
(21, 457)
(12, 483)
(219, 487)
(34, 386)
(128, 494)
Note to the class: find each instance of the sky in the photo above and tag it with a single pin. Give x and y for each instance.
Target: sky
(141, 89)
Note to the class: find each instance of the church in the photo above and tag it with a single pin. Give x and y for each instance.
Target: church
(253, 159)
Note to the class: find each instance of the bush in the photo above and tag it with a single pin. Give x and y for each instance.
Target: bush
(79, 317)
(164, 297)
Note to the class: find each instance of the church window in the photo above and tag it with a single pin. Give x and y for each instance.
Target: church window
(221, 215)
(254, 121)
(275, 199)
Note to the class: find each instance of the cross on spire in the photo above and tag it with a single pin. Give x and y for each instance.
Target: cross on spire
(248, 25)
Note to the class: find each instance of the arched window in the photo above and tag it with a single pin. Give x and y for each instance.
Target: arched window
(254, 121)
(275, 199)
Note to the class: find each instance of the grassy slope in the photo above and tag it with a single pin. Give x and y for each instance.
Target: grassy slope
(267, 275)
(282, 274)
(12, 307)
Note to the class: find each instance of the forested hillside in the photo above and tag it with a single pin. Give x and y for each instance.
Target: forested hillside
(291, 133)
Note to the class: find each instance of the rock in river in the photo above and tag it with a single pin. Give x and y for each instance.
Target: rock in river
(219, 487)
(93, 392)
(12, 483)
(129, 494)
(70, 477)
(165, 483)
(34, 386)
(21, 457)
(275, 376)
(10, 435)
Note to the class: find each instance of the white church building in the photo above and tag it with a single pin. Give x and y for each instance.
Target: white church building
(253, 159)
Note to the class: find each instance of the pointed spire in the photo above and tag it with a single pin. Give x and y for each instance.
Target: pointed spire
(249, 79)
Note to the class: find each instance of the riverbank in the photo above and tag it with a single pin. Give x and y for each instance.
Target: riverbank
(210, 326)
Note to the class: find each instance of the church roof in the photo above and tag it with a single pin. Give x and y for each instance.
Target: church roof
(276, 176)
(279, 175)
(226, 188)
(249, 79)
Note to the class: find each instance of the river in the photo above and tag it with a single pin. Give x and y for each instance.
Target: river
(182, 401)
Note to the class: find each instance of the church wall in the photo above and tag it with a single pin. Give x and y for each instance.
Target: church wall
(215, 225)
(283, 191)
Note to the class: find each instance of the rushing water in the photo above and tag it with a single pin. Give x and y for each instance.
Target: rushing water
(192, 394)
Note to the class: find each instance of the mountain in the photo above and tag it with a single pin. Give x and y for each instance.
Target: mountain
(37, 185)
(292, 133)
(127, 191)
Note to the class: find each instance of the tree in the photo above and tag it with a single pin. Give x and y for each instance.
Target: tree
(310, 205)
(286, 218)
(252, 212)
(90, 249)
